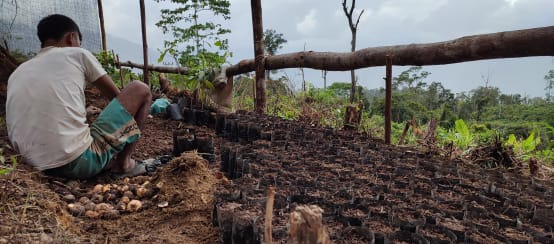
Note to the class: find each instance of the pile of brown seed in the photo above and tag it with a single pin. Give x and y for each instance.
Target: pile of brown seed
(110, 200)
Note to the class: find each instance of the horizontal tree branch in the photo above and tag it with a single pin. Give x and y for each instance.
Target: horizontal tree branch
(161, 69)
(509, 44)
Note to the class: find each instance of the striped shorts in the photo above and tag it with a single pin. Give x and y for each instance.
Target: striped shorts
(111, 132)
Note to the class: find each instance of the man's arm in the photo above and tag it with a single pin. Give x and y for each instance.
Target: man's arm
(106, 85)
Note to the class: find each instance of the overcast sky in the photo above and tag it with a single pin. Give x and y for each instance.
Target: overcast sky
(320, 25)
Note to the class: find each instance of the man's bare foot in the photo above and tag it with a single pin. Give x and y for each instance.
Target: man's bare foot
(126, 166)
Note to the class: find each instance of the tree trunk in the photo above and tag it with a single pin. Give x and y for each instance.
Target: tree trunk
(102, 29)
(306, 226)
(353, 116)
(257, 24)
(353, 72)
(144, 43)
(510, 44)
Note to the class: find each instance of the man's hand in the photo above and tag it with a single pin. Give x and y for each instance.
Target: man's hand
(92, 112)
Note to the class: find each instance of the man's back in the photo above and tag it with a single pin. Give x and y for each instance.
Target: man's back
(45, 107)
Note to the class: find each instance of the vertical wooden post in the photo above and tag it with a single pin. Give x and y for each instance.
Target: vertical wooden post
(257, 24)
(144, 43)
(120, 70)
(102, 29)
(388, 100)
(268, 230)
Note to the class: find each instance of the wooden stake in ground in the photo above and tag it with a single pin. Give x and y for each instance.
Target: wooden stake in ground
(306, 226)
(406, 127)
(102, 29)
(257, 24)
(269, 215)
(353, 116)
(144, 43)
(120, 70)
(388, 99)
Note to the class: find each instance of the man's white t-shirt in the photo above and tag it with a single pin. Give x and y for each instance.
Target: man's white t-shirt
(45, 106)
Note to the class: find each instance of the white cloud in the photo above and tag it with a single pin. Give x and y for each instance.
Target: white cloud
(308, 24)
(409, 9)
(511, 2)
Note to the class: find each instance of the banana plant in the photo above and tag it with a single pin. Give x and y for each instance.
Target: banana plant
(462, 136)
(524, 148)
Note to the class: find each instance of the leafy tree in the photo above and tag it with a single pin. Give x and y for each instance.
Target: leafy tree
(513, 99)
(437, 96)
(196, 42)
(483, 97)
(340, 89)
(410, 77)
(273, 41)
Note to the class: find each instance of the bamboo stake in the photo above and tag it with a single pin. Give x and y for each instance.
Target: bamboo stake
(144, 43)
(120, 70)
(388, 100)
(102, 29)
(269, 215)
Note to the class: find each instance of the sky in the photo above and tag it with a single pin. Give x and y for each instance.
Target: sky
(320, 25)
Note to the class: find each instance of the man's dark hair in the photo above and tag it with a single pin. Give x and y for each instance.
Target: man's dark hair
(55, 26)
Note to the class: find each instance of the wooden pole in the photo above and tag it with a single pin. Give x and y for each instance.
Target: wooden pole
(102, 29)
(257, 24)
(404, 132)
(388, 100)
(268, 232)
(120, 70)
(509, 44)
(144, 43)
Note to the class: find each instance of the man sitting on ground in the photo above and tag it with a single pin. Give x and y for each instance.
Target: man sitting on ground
(46, 115)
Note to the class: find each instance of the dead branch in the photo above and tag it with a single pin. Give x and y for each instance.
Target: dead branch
(7, 64)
